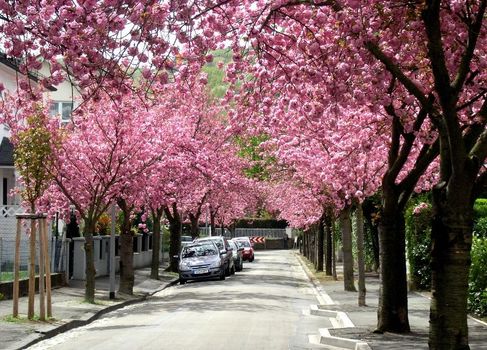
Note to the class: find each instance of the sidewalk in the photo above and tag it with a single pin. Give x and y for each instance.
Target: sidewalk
(70, 311)
(355, 325)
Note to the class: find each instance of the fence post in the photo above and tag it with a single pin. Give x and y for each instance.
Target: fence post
(42, 261)
(15, 312)
(48, 268)
(32, 266)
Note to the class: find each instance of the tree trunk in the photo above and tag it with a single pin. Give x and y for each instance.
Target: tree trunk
(329, 246)
(126, 252)
(333, 250)
(393, 295)
(175, 226)
(212, 223)
(320, 245)
(90, 260)
(194, 219)
(450, 262)
(348, 280)
(370, 213)
(360, 255)
(156, 243)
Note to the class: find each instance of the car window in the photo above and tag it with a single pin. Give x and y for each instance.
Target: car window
(199, 250)
(245, 243)
(232, 245)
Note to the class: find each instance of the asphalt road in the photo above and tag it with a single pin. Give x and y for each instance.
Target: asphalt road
(258, 308)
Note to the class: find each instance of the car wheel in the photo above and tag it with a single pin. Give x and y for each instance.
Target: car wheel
(232, 270)
(227, 270)
(222, 275)
(251, 259)
(182, 281)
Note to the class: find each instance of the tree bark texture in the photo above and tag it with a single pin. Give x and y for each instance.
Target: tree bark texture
(346, 226)
(450, 262)
(320, 245)
(360, 255)
(329, 246)
(90, 260)
(126, 251)
(175, 226)
(194, 220)
(156, 243)
(393, 302)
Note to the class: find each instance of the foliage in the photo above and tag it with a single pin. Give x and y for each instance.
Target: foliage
(216, 74)
(249, 148)
(477, 296)
(32, 155)
(480, 227)
(103, 225)
(480, 207)
(418, 236)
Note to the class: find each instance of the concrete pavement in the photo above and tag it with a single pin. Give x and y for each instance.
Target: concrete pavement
(354, 325)
(70, 311)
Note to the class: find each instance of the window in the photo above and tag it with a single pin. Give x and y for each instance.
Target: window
(63, 109)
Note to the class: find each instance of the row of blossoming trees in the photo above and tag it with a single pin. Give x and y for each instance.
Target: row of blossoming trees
(159, 155)
(351, 95)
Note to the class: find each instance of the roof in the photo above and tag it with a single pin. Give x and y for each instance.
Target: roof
(6, 152)
(14, 64)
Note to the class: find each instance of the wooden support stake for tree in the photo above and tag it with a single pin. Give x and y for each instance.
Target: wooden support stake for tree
(32, 266)
(47, 262)
(42, 291)
(15, 311)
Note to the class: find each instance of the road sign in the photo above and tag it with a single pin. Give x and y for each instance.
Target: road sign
(257, 239)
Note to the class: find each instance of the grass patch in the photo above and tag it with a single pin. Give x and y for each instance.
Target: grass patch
(23, 319)
(9, 276)
(96, 302)
(319, 275)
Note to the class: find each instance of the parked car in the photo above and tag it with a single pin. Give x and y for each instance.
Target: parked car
(200, 261)
(225, 251)
(185, 240)
(248, 252)
(237, 248)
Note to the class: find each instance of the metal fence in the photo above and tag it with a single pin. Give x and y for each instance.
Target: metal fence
(247, 232)
(57, 251)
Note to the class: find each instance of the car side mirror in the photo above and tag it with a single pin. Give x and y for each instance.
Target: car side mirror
(223, 252)
(240, 249)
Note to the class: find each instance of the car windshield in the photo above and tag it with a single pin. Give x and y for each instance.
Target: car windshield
(199, 250)
(245, 243)
(218, 242)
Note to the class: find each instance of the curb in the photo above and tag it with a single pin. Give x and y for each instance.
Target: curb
(321, 295)
(325, 338)
(339, 319)
(79, 323)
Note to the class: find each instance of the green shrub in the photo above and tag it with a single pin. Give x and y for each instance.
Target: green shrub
(480, 227)
(418, 236)
(477, 287)
(480, 208)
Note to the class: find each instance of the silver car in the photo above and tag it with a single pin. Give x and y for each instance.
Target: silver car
(225, 251)
(200, 261)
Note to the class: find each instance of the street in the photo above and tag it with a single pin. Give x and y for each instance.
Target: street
(258, 308)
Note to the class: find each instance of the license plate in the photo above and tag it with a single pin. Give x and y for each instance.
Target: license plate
(200, 271)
